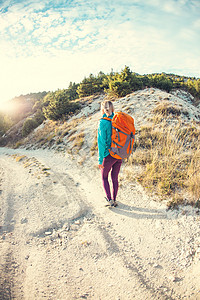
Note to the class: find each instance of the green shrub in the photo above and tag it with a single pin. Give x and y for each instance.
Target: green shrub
(59, 105)
(121, 84)
(28, 126)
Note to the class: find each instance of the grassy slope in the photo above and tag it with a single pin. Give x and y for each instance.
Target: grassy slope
(167, 154)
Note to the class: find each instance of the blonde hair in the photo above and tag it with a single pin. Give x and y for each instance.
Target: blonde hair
(108, 107)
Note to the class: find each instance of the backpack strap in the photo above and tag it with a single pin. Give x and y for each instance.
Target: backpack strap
(106, 118)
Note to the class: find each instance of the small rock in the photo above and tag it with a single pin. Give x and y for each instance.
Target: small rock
(66, 227)
(78, 222)
(48, 232)
(174, 278)
(24, 220)
(84, 296)
(74, 227)
(157, 266)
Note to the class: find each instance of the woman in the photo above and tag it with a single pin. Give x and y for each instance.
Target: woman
(108, 163)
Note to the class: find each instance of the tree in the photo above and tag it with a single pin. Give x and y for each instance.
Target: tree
(121, 84)
(91, 85)
(193, 86)
(58, 105)
(28, 126)
(145, 80)
(5, 123)
(161, 81)
(2, 128)
(39, 116)
(72, 91)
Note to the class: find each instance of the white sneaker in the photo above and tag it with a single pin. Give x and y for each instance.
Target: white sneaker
(111, 202)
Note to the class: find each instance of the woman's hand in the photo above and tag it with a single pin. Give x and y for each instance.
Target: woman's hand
(100, 167)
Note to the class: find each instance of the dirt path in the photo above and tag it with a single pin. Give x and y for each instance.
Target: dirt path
(58, 241)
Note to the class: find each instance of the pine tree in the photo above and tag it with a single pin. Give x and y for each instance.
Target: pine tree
(58, 105)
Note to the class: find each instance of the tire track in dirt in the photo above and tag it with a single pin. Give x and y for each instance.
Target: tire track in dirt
(7, 273)
(8, 264)
(116, 245)
(75, 260)
(131, 261)
(15, 238)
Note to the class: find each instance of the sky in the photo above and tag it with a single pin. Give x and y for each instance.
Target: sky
(46, 44)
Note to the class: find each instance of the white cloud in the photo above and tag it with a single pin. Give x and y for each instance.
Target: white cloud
(188, 34)
(196, 24)
(46, 49)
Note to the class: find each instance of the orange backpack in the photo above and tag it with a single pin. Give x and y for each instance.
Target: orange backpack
(123, 135)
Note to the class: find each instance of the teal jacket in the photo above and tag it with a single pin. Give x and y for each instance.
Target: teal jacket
(104, 137)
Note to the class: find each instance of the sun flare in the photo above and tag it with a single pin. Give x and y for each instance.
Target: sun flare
(8, 107)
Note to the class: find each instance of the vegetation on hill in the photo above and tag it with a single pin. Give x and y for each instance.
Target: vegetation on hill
(120, 84)
(58, 105)
(5, 123)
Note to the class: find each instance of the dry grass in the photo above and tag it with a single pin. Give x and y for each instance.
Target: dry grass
(171, 161)
(165, 108)
(35, 168)
(147, 136)
(193, 175)
(18, 144)
(94, 146)
(18, 158)
(190, 135)
(77, 141)
(54, 133)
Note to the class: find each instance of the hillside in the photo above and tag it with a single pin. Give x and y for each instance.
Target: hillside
(22, 106)
(157, 115)
(59, 241)
(58, 105)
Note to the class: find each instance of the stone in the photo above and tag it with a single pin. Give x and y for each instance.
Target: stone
(78, 222)
(48, 232)
(24, 220)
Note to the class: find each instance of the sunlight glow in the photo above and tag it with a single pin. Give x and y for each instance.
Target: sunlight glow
(8, 107)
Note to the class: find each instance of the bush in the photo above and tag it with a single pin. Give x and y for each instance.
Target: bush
(91, 85)
(28, 126)
(39, 116)
(58, 105)
(161, 81)
(5, 123)
(121, 84)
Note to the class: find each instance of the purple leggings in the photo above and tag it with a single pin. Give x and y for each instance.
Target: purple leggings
(109, 163)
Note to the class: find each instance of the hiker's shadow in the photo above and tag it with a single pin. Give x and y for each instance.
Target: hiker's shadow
(138, 212)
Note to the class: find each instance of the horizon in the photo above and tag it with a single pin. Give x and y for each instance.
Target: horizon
(45, 46)
(32, 92)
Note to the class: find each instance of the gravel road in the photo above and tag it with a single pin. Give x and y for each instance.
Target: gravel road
(59, 241)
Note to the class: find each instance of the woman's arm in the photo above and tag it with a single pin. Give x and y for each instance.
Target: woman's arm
(102, 140)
